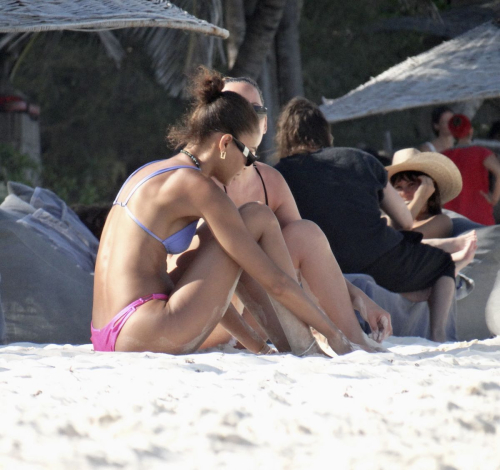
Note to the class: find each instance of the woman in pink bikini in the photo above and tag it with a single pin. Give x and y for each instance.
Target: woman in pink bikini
(137, 305)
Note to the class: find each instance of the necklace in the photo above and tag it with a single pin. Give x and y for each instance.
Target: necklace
(192, 157)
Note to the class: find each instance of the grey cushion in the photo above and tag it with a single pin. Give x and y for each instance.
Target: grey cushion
(475, 320)
(478, 314)
(48, 215)
(45, 297)
(47, 256)
(460, 223)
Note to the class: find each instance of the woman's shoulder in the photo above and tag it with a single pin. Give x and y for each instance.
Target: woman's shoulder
(268, 172)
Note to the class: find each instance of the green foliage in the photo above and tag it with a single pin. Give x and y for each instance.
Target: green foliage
(16, 166)
(98, 123)
(339, 49)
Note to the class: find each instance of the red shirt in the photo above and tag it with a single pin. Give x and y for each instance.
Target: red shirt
(470, 202)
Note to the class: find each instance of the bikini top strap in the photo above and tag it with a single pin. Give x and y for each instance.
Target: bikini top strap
(128, 179)
(152, 175)
(263, 184)
(138, 222)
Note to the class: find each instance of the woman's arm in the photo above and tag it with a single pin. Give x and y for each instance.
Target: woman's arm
(394, 206)
(421, 197)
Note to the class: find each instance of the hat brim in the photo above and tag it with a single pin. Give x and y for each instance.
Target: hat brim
(440, 168)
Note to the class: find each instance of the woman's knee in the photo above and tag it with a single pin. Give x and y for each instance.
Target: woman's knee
(258, 214)
(304, 232)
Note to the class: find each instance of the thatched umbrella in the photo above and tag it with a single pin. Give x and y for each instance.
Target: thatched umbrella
(95, 15)
(465, 68)
(161, 24)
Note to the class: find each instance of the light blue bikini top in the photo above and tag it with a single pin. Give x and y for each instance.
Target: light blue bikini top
(179, 241)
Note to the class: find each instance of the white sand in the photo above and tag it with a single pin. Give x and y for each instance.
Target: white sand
(419, 406)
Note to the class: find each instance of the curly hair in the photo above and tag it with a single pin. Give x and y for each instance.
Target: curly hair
(212, 110)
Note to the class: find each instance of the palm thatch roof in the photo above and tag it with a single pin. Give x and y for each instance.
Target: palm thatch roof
(465, 68)
(93, 15)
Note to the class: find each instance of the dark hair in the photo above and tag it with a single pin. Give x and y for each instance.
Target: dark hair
(212, 110)
(248, 80)
(434, 202)
(301, 126)
(436, 114)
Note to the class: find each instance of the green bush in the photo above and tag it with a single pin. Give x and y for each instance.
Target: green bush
(17, 166)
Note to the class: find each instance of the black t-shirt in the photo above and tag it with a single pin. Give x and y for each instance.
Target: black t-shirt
(341, 189)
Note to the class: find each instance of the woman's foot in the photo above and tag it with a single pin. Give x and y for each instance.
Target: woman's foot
(341, 345)
(457, 244)
(465, 255)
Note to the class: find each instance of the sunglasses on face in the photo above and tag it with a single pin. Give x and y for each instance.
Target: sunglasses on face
(260, 110)
(251, 158)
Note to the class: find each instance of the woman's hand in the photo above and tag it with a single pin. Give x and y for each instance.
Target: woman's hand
(426, 188)
(378, 319)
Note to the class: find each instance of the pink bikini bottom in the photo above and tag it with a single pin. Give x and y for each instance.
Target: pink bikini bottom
(105, 338)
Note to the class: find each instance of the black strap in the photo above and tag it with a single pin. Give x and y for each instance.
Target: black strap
(263, 184)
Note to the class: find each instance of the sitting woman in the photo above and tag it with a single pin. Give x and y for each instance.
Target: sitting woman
(343, 191)
(137, 305)
(308, 248)
(425, 181)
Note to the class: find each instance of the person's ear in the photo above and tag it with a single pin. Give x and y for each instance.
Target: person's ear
(224, 141)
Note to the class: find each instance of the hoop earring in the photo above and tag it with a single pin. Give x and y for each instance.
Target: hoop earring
(223, 155)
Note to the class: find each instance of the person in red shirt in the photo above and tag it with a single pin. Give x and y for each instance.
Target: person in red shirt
(476, 201)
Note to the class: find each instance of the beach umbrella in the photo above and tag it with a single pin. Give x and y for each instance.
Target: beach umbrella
(462, 69)
(95, 15)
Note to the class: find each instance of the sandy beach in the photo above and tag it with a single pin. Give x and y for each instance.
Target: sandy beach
(418, 406)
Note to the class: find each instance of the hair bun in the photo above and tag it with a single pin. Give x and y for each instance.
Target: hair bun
(207, 85)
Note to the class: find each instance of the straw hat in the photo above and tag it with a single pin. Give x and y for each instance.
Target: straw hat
(440, 168)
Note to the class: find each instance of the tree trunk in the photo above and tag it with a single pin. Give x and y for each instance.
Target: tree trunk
(235, 23)
(269, 84)
(289, 65)
(260, 32)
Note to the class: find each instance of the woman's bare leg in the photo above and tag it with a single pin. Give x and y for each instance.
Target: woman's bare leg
(235, 326)
(462, 248)
(194, 308)
(258, 304)
(296, 330)
(288, 333)
(440, 301)
(200, 299)
(312, 256)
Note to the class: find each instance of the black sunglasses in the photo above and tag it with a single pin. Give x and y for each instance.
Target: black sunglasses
(260, 110)
(251, 158)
